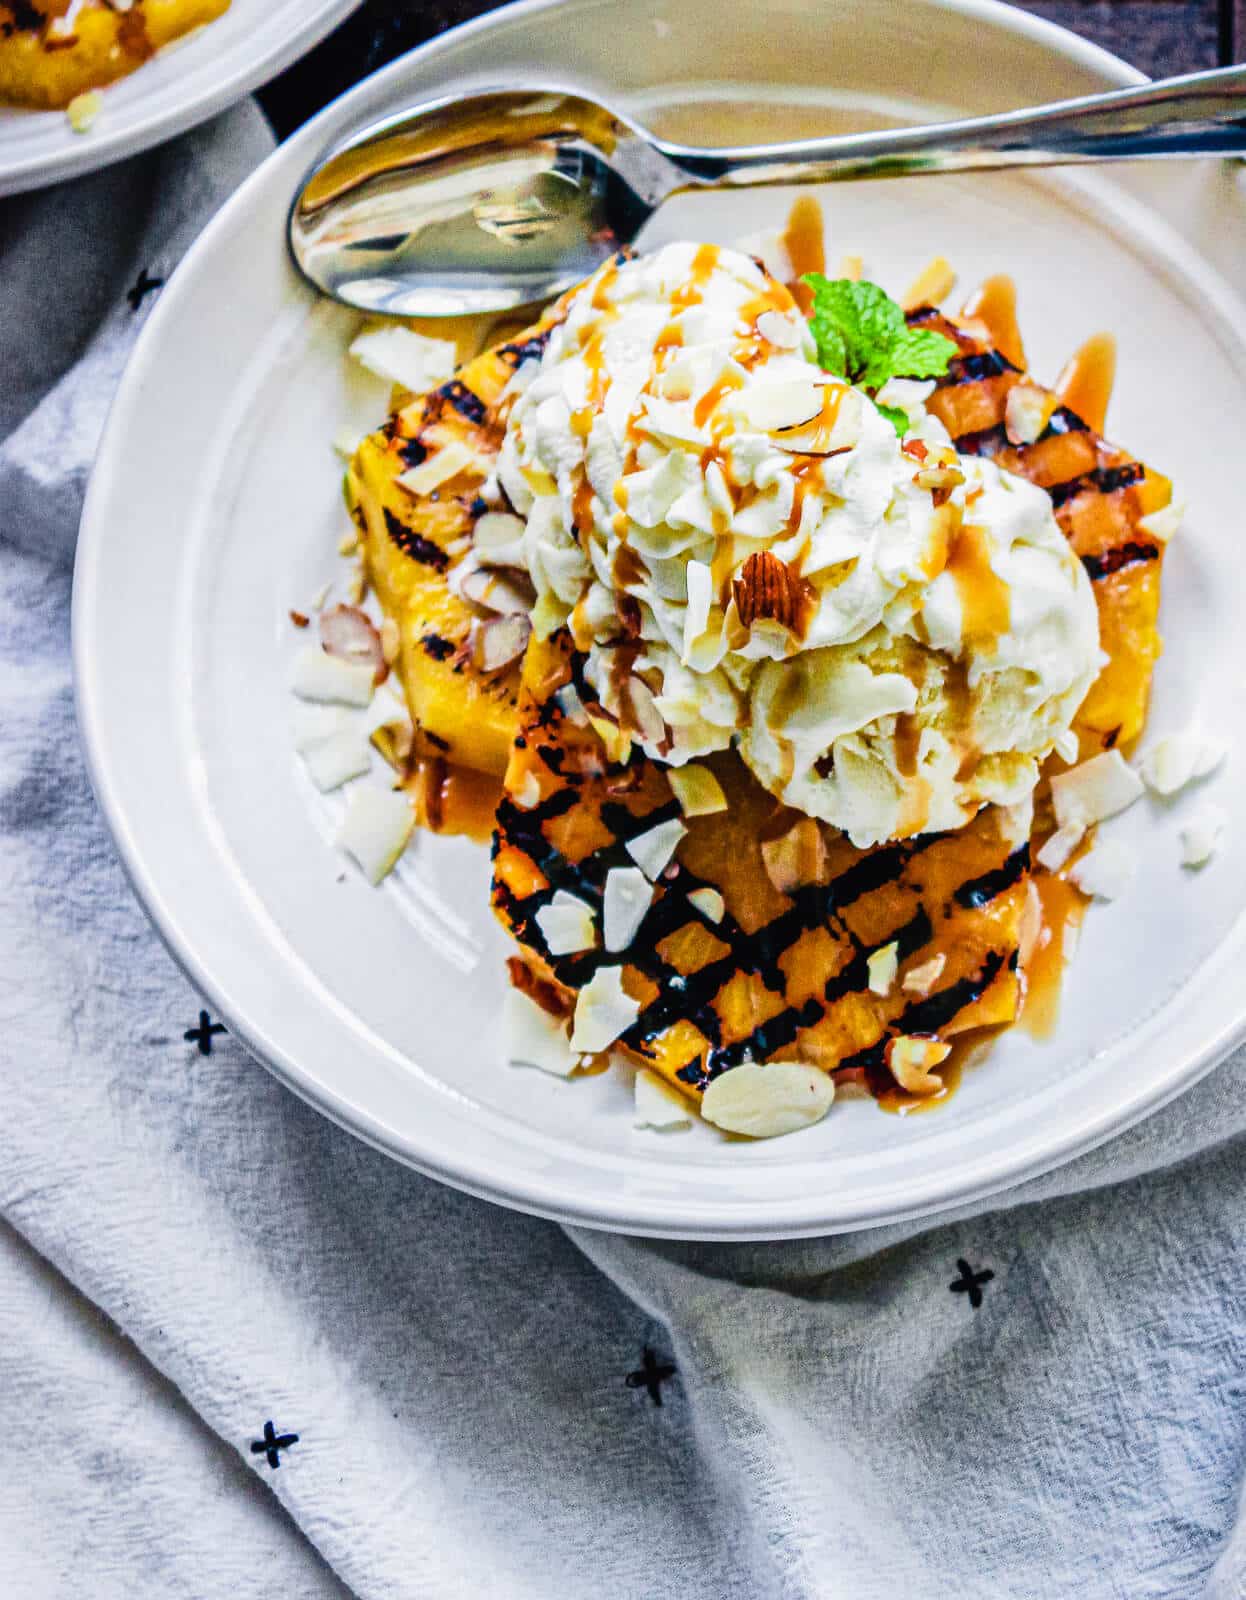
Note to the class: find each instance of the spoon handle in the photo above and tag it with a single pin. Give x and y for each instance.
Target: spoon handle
(1203, 113)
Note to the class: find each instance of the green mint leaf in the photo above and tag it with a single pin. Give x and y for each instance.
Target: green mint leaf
(861, 335)
(898, 418)
(921, 353)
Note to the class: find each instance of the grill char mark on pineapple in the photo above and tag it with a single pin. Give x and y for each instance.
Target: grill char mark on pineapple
(415, 545)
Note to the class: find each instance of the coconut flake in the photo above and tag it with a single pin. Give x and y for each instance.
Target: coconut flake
(1066, 746)
(375, 830)
(658, 1106)
(653, 849)
(709, 903)
(697, 789)
(766, 1101)
(1200, 836)
(1178, 759)
(336, 760)
(700, 599)
(452, 458)
(402, 356)
(882, 967)
(318, 676)
(603, 1011)
(1095, 790)
(910, 1059)
(567, 924)
(921, 980)
(312, 723)
(669, 422)
(1165, 522)
(1106, 871)
(1057, 850)
(534, 1038)
(625, 902)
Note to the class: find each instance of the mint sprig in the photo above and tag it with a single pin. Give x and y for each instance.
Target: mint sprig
(861, 335)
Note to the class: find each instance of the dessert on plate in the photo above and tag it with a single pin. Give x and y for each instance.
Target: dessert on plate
(54, 51)
(786, 647)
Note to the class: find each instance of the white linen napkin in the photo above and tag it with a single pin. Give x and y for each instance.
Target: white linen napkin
(207, 1291)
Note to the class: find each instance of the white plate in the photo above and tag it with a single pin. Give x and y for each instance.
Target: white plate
(214, 507)
(185, 84)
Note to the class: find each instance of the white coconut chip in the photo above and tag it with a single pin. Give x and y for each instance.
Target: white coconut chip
(1179, 758)
(320, 676)
(626, 900)
(312, 723)
(1095, 790)
(402, 356)
(1106, 871)
(567, 924)
(1165, 522)
(336, 760)
(659, 1107)
(452, 458)
(653, 849)
(882, 967)
(709, 903)
(1200, 836)
(375, 830)
(1066, 746)
(1057, 850)
(534, 1038)
(603, 1011)
(697, 789)
(766, 1101)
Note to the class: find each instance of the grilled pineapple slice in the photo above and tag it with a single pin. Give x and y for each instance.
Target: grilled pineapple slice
(46, 67)
(781, 975)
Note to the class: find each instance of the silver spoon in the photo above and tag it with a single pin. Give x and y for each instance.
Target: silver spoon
(494, 200)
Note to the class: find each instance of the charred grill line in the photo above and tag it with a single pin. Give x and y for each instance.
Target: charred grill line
(1129, 554)
(980, 364)
(979, 892)
(464, 401)
(415, 544)
(1104, 480)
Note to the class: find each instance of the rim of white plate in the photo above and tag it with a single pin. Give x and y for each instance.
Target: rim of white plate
(1027, 1156)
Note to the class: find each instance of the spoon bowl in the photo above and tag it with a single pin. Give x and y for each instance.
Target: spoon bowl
(492, 201)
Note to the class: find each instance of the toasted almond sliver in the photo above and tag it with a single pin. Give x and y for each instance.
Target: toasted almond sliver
(911, 1059)
(882, 966)
(933, 283)
(765, 1101)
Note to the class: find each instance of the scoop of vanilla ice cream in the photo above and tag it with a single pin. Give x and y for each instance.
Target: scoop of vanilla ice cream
(744, 552)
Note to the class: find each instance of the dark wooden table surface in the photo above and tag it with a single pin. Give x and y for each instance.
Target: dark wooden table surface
(1160, 36)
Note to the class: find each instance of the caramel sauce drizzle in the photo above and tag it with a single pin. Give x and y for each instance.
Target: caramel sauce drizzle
(1062, 907)
(1086, 381)
(986, 611)
(994, 305)
(804, 240)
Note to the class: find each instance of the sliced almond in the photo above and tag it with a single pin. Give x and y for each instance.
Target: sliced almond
(505, 593)
(349, 633)
(911, 1058)
(771, 406)
(499, 642)
(497, 537)
(836, 427)
(779, 329)
(767, 1101)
